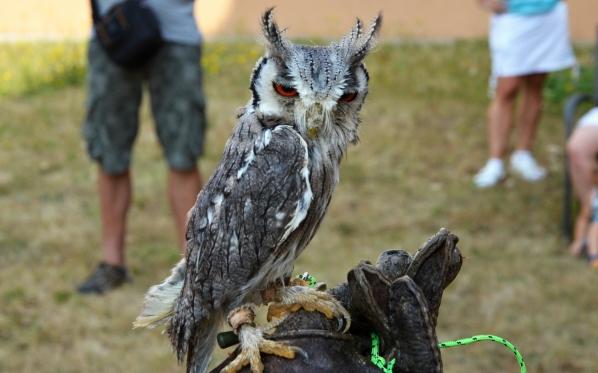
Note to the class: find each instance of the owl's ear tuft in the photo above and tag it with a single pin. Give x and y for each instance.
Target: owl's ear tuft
(358, 44)
(277, 44)
(350, 40)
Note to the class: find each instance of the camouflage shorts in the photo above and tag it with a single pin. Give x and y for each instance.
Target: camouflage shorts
(174, 82)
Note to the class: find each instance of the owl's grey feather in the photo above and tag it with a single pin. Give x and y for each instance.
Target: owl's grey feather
(267, 198)
(252, 204)
(277, 44)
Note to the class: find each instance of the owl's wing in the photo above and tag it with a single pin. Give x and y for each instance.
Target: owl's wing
(257, 197)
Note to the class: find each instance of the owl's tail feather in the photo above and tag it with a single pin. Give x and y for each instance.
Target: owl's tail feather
(200, 353)
(158, 306)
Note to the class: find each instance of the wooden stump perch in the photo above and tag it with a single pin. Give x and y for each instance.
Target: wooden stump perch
(398, 298)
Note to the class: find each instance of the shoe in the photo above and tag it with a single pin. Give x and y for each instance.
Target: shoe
(524, 165)
(491, 174)
(105, 277)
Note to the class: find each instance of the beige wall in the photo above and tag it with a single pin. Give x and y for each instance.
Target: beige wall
(437, 19)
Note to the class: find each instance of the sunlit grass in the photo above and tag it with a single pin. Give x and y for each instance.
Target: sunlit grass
(422, 138)
(31, 67)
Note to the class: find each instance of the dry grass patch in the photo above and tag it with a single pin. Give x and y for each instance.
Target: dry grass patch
(422, 139)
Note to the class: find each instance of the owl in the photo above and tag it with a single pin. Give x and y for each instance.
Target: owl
(266, 199)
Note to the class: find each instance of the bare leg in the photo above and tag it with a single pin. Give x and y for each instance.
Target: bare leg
(115, 200)
(500, 122)
(530, 110)
(500, 115)
(581, 149)
(183, 187)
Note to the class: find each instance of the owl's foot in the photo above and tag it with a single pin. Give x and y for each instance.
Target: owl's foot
(292, 299)
(252, 342)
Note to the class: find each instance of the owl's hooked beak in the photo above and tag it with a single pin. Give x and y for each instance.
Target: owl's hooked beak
(316, 116)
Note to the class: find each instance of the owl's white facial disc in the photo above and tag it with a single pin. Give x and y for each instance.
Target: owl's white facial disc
(317, 89)
(312, 90)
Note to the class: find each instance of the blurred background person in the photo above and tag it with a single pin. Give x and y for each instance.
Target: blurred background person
(174, 81)
(528, 39)
(582, 149)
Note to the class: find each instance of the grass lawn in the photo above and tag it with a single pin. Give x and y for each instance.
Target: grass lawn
(422, 138)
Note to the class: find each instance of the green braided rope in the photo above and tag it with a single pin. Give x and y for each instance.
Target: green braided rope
(380, 362)
(493, 338)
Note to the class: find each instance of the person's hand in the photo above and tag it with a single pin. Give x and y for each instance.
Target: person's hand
(495, 6)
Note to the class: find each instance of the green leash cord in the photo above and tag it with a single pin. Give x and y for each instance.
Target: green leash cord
(380, 362)
(493, 338)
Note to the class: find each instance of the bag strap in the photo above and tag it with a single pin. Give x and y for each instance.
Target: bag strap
(95, 11)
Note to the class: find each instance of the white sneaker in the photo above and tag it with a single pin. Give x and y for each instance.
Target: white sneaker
(524, 165)
(491, 174)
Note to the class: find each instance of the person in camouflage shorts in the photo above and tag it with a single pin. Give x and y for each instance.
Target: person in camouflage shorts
(177, 104)
(174, 81)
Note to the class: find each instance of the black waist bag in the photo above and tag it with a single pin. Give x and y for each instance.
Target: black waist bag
(129, 33)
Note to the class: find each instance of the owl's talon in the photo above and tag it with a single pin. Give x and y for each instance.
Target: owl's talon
(252, 344)
(294, 298)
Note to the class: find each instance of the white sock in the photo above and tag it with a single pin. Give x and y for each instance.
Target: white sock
(495, 162)
(522, 154)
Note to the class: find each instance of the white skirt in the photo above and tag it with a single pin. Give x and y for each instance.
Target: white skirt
(523, 45)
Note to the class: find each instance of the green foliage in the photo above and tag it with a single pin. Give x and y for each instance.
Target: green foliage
(27, 67)
(562, 84)
(31, 67)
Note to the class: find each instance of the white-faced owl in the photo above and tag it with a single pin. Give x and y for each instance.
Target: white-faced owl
(266, 199)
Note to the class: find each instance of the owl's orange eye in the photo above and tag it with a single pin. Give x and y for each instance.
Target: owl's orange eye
(285, 91)
(348, 97)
